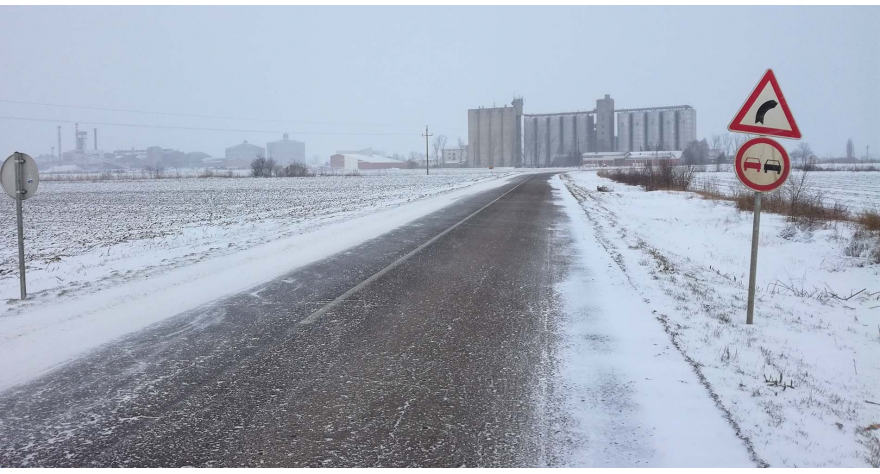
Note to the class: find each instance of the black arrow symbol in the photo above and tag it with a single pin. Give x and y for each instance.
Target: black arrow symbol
(759, 117)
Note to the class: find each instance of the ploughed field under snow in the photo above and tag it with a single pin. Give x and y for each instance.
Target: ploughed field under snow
(857, 190)
(80, 233)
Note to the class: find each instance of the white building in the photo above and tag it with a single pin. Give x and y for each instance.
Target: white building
(454, 156)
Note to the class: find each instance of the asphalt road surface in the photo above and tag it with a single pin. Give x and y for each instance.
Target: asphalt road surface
(429, 346)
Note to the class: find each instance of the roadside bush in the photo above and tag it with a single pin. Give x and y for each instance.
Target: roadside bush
(294, 170)
(870, 220)
(864, 244)
(653, 178)
(262, 167)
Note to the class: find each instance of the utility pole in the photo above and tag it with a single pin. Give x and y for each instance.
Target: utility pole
(59, 144)
(426, 135)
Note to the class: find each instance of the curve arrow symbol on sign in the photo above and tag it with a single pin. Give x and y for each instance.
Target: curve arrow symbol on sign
(763, 109)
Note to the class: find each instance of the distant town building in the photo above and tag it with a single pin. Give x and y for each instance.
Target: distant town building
(241, 155)
(286, 151)
(454, 156)
(363, 160)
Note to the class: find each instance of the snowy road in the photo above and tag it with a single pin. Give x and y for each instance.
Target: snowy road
(454, 340)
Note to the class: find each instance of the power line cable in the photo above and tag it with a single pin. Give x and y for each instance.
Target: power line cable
(219, 117)
(202, 129)
(175, 114)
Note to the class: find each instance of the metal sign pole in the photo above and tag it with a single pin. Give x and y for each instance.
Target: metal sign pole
(19, 196)
(753, 267)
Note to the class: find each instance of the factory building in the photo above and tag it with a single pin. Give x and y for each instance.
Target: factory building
(495, 136)
(364, 160)
(555, 139)
(241, 155)
(549, 139)
(286, 151)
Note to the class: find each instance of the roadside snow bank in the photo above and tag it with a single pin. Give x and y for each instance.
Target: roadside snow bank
(689, 260)
(634, 398)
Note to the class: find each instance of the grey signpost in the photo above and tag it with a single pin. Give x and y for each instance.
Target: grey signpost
(753, 266)
(19, 177)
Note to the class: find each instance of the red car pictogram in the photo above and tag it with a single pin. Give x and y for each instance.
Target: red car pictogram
(752, 163)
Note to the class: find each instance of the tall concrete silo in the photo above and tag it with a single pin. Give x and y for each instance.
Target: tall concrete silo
(624, 132)
(530, 135)
(652, 133)
(569, 135)
(584, 127)
(667, 121)
(687, 127)
(639, 141)
(605, 124)
(555, 136)
(543, 132)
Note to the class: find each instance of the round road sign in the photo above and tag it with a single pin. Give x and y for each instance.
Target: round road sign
(31, 176)
(762, 164)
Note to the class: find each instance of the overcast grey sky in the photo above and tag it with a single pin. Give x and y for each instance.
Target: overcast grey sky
(391, 70)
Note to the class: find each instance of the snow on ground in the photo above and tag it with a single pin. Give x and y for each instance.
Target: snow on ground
(86, 234)
(857, 190)
(108, 258)
(688, 259)
(635, 401)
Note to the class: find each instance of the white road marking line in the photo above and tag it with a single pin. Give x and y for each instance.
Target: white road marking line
(339, 299)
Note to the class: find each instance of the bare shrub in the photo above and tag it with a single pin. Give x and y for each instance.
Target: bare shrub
(663, 176)
(154, 172)
(870, 219)
(295, 170)
(864, 244)
(262, 167)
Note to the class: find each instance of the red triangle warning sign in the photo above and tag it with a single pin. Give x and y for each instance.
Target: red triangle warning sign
(765, 112)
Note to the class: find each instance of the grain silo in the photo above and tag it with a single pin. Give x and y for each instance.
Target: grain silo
(623, 132)
(543, 131)
(687, 127)
(569, 135)
(652, 132)
(667, 124)
(584, 126)
(638, 141)
(555, 136)
(530, 138)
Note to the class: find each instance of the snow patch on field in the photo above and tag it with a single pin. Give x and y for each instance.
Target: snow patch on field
(688, 258)
(83, 236)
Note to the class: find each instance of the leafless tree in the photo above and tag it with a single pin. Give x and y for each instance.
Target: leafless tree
(803, 157)
(740, 139)
(438, 144)
(716, 142)
(729, 143)
(462, 146)
(850, 149)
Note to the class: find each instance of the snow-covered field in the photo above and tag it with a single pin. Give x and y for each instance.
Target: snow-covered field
(109, 258)
(82, 234)
(817, 319)
(857, 190)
